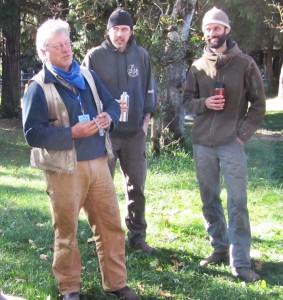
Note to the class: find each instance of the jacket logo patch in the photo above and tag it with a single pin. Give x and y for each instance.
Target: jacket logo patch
(133, 71)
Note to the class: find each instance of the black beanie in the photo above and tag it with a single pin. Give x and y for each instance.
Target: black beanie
(120, 17)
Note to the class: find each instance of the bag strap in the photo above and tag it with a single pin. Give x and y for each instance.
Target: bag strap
(87, 75)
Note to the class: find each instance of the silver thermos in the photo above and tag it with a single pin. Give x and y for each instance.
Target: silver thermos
(124, 115)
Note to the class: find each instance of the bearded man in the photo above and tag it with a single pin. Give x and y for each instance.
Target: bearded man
(124, 66)
(224, 122)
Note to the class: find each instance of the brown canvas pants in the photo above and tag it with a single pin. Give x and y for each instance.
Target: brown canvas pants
(91, 188)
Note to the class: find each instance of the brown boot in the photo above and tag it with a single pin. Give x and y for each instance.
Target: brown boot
(72, 296)
(143, 247)
(245, 274)
(216, 258)
(126, 294)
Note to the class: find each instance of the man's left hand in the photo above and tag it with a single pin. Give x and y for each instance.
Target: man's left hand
(239, 141)
(104, 120)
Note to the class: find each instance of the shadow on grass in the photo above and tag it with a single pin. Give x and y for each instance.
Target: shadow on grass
(188, 277)
(13, 154)
(26, 234)
(273, 121)
(265, 162)
(265, 153)
(172, 272)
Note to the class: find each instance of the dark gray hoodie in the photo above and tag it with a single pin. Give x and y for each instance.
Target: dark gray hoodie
(129, 71)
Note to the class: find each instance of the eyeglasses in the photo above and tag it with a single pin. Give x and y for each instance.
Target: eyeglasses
(60, 46)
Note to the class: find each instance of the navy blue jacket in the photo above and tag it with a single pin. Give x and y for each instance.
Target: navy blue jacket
(36, 123)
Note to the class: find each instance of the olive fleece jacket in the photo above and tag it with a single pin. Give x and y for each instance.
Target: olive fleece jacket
(244, 96)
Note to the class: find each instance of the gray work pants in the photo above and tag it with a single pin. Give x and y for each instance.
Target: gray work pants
(231, 158)
(131, 152)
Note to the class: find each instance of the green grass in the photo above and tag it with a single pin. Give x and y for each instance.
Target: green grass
(175, 226)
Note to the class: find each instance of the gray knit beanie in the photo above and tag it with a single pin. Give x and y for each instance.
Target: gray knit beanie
(216, 16)
(120, 17)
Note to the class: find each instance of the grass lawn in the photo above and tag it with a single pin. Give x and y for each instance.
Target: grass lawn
(175, 226)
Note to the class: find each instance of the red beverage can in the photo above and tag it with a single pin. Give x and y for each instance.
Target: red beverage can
(219, 91)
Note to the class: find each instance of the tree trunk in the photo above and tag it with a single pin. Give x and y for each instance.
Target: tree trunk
(11, 90)
(169, 128)
(280, 89)
(269, 67)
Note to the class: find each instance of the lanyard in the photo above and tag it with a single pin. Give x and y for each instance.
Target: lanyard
(78, 98)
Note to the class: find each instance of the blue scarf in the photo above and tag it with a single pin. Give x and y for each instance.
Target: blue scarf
(73, 77)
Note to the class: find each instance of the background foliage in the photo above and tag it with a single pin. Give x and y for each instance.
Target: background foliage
(160, 28)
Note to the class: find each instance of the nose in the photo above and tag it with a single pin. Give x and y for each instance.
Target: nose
(66, 49)
(211, 32)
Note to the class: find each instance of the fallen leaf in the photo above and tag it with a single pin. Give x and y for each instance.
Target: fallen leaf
(20, 280)
(259, 265)
(43, 256)
(159, 269)
(166, 295)
(154, 263)
(176, 264)
(140, 287)
(32, 243)
(39, 225)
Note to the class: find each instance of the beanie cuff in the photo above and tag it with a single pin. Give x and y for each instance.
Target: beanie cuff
(120, 17)
(216, 22)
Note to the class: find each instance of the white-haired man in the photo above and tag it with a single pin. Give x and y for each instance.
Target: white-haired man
(64, 124)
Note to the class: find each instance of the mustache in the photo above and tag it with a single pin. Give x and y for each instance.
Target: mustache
(214, 37)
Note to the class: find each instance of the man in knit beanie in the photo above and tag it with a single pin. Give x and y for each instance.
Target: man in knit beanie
(124, 66)
(120, 17)
(216, 16)
(224, 90)
(220, 19)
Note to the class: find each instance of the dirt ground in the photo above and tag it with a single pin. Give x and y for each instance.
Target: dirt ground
(11, 124)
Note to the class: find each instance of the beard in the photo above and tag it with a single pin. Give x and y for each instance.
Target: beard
(217, 42)
(118, 42)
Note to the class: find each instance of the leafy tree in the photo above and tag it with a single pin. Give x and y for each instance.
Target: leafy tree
(169, 30)
(273, 23)
(166, 28)
(15, 13)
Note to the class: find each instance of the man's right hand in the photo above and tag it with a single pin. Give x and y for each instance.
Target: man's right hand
(215, 102)
(123, 105)
(84, 129)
